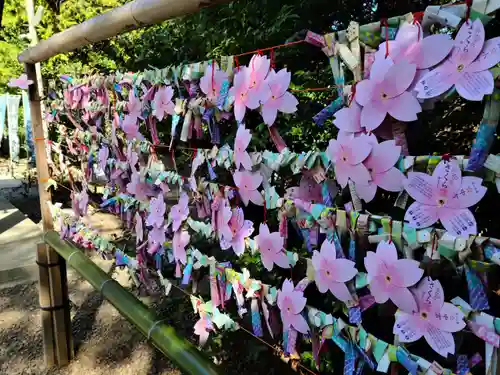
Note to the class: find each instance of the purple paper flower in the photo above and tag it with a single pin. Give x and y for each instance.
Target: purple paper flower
(271, 248)
(291, 302)
(156, 238)
(240, 229)
(139, 189)
(179, 243)
(179, 212)
(157, 208)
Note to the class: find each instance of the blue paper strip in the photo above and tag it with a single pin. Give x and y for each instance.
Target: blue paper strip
(477, 295)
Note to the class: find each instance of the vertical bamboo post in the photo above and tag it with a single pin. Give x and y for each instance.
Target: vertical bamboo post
(58, 289)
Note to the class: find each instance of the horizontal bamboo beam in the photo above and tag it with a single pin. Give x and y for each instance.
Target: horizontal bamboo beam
(179, 350)
(133, 15)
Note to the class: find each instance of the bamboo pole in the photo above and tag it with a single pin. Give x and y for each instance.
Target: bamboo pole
(133, 15)
(58, 289)
(179, 350)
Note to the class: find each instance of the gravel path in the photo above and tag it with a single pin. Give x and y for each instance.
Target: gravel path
(105, 342)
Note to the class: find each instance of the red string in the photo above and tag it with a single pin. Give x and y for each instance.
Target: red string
(260, 50)
(446, 157)
(384, 22)
(273, 65)
(237, 63)
(265, 212)
(353, 92)
(213, 76)
(390, 231)
(467, 12)
(417, 20)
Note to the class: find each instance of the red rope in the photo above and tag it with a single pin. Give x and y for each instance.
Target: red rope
(384, 22)
(417, 20)
(237, 63)
(467, 12)
(259, 51)
(390, 231)
(273, 65)
(213, 76)
(353, 92)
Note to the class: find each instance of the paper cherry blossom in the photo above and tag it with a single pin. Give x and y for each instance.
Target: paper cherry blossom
(131, 128)
(134, 105)
(221, 214)
(240, 230)
(157, 208)
(410, 45)
(83, 202)
(291, 302)
(140, 190)
(247, 183)
(139, 229)
(380, 163)
(162, 102)
(241, 143)
(132, 156)
(239, 92)
(332, 273)
(22, 82)
(179, 243)
(180, 211)
(445, 196)
(348, 119)
(257, 70)
(103, 157)
(271, 248)
(202, 329)
(308, 191)
(156, 238)
(279, 98)
(466, 67)
(390, 277)
(435, 319)
(211, 82)
(385, 93)
(348, 156)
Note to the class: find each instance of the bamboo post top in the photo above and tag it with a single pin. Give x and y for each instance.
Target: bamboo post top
(133, 15)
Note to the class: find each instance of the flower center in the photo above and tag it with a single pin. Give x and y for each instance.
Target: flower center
(246, 186)
(328, 273)
(423, 315)
(388, 279)
(273, 97)
(289, 308)
(441, 202)
(384, 95)
(460, 67)
(344, 158)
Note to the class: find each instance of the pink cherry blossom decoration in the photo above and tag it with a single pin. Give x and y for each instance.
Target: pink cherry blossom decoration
(435, 319)
(466, 67)
(103, 157)
(221, 214)
(134, 105)
(410, 45)
(179, 243)
(22, 82)
(131, 128)
(240, 230)
(390, 277)
(139, 230)
(271, 248)
(211, 82)
(445, 196)
(279, 98)
(257, 70)
(202, 329)
(385, 93)
(140, 190)
(239, 91)
(291, 302)
(180, 211)
(348, 119)
(332, 273)
(241, 143)
(380, 164)
(247, 183)
(156, 238)
(162, 102)
(157, 208)
(348, 155)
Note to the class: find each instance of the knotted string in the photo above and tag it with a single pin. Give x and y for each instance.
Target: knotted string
(353, 93)
(467, 12)
(385, 23)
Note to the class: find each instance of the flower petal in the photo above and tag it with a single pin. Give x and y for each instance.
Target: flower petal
(405, 107)
(256, 197)
(288, 103)
(437, 81)
(470, 193)
(383, 156)
(333, 149)
(364, 92)
(298, 302)
(380, 69)
(406, 328)
(281, 260)
(420, 215)
(474, 86)
(269, 112)
(340, 291)
(398, 78)
(391, 180)
(342, 173)
(321, 281)
(449, 319)
(343, 270)
(434, 49)
(359, 174)
(458, 221)
(377, 289)
(299, 323)
(372, 116)
(357, 150)
(387, 252)
(488, 58)
(441, 342)
(239, 110)
(429, 295)
(409, 272)
(328, 251)
(373, 264)
(449, 178)
(403, 299)
(468, 43)
(421, 187)
(349, 119)
(366, 192)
